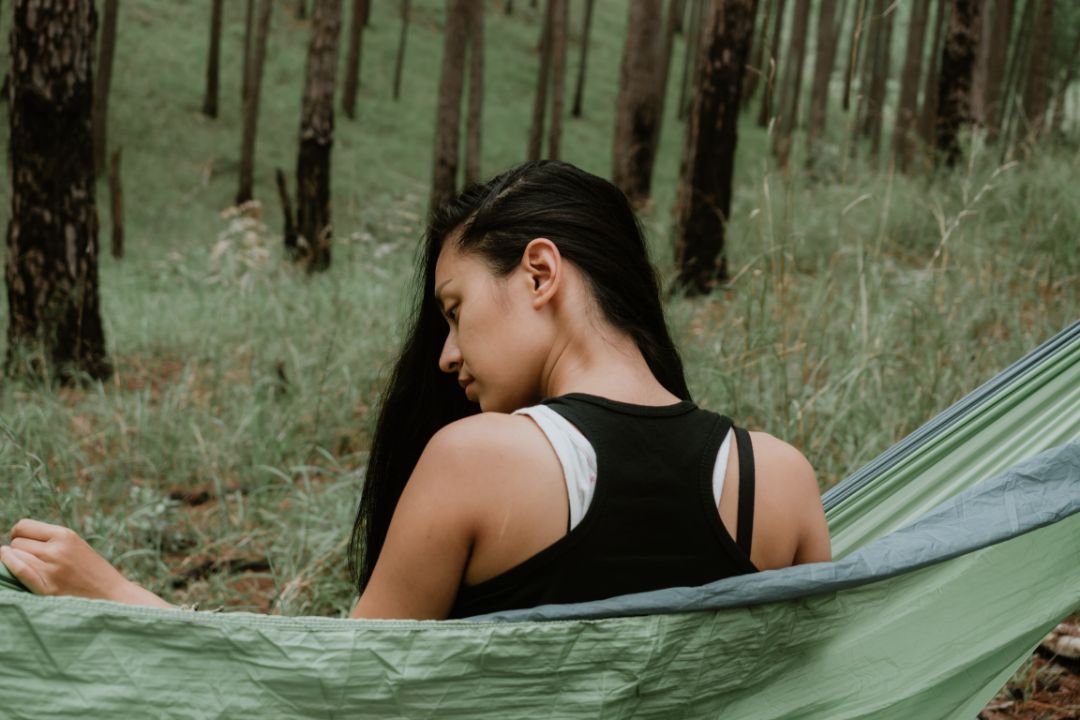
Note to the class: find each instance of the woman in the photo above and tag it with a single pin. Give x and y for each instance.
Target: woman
(588, 472)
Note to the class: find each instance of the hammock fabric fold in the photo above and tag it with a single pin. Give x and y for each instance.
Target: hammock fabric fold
(957, 550)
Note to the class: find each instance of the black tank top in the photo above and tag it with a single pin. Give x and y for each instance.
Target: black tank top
(652, 522)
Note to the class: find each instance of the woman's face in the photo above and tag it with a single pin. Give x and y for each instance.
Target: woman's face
(498, 338)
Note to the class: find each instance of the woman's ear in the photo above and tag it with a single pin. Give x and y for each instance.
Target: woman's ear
(543, 267)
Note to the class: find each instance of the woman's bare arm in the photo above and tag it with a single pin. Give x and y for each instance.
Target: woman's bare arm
(54, 560)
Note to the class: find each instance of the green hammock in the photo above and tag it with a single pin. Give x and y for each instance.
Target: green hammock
(957, 550)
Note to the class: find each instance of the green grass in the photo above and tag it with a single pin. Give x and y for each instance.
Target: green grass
(237, 424)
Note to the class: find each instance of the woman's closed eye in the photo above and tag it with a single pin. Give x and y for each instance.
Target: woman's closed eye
(451, 313)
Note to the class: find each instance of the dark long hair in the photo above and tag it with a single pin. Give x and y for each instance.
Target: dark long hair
(592, 224)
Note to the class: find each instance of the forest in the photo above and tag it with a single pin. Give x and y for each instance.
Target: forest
(860, 210)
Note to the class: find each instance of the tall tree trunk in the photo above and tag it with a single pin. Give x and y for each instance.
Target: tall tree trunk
(639, 104)
(586, 31)
(559, 22)
(791, 84)
(103, 80)
(475, 116)
(448, 117)
(116, 205)
(766, 113)
(399, 62)
(877, 75)
(882, 69)
(854, 48)
(824, 59)
(874, 24)
(1000, 31)
(54, 319)
(928, 112)
(536, 127)
(691, 57)
(705, 184)
(908, 104)
(757, 54)
(249, 32)
(313, 224)
(301, 9)
(213, 63)
(352, 60)
(251, 104)
(954, 89)
(1036, 89)
(982, 63)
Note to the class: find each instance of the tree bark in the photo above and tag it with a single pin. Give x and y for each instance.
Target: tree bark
(103, 80)
(313, 224)
(475, 115)
(929, 110)
(766, 113)
(249, 31)
(854, 48)
(213, 63)
(705, 184)
(879, 84)
(954, 89)
(638, 107)
(399, 62)
(791, 87)
(982, 61)
(908, 104)
(116, 205)
(286, 208)
(251, 104)
(448, 116)
(995, 66)
(54, 320)
(536, 127)
(1036, 89)
(691, 57)
(559, 22)
(824, 59)
(586, 31)
(352, 60)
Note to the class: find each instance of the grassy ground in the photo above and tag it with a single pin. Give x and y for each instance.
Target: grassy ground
(222, 462)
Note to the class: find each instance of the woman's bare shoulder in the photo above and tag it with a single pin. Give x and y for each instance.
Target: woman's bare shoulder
(487, 436)
(489, 448)
(789, 499)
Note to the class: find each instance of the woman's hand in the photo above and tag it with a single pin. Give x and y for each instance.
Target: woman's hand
(54, 560)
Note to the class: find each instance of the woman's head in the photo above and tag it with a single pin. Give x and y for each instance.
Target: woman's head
(483, 252)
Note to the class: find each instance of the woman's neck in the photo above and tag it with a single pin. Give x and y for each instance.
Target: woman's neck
(602, 361)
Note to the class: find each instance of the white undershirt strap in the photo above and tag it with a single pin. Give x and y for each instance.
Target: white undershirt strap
(578, 459)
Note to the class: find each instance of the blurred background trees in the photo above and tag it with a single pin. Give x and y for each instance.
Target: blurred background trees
(908, 86)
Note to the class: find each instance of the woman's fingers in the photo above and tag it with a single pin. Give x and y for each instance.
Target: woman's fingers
(37, 548)
(26, 568)
(36, 530)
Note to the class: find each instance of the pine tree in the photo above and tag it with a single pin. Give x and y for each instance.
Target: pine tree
(954, 89)
(313, 227)
(705, 184)
(54, 318)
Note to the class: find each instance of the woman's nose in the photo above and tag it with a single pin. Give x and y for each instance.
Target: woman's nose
(450, 359)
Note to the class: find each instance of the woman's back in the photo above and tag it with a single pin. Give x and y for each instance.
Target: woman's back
(653, 522)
